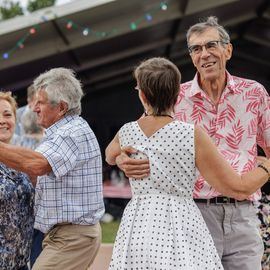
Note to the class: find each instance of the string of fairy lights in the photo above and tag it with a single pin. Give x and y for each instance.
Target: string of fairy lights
(85, 30)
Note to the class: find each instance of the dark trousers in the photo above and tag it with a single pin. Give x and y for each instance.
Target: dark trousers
(24, 268)
(36, 248)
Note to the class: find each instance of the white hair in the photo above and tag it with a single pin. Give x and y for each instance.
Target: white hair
(209, 22)
(60, 84)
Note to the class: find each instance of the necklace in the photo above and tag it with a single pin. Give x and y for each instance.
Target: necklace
(168, 115)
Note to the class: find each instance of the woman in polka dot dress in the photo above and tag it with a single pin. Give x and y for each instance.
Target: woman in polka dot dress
(162, 228)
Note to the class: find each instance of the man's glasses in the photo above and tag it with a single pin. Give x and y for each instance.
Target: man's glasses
(210, 46)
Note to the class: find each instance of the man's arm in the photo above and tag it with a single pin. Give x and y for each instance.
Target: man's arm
(25, 160)
(133, 168)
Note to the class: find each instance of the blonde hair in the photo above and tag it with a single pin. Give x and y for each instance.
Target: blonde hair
(10, 99)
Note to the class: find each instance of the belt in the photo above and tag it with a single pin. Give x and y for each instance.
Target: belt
(220, 200)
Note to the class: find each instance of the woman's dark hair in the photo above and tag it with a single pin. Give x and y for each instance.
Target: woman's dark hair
(159, 79)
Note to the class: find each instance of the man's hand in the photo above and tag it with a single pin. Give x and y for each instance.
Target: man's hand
(134, 168)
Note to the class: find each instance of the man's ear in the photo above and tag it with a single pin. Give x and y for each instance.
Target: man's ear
(63, 107)
(229, 51)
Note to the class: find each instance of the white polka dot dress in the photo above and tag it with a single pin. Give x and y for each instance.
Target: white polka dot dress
(162, 228)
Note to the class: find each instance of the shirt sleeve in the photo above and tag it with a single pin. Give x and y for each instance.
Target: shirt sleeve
(264, 120)
(61, 153)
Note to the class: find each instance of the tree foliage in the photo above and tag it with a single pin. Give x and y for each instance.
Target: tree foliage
(10, 9)
(38, 4)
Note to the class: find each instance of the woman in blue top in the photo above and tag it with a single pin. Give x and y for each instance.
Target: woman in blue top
(16, 199)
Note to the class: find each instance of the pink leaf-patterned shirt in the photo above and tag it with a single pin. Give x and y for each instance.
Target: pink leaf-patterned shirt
(239, 122)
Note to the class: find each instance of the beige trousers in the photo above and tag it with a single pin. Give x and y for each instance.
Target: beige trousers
(69, 247)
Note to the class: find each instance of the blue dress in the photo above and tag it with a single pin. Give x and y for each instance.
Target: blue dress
(16, 218)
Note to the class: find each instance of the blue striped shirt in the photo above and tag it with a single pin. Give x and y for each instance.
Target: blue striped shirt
(72, 192)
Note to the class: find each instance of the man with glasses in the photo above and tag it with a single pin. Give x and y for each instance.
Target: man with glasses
(235, 113)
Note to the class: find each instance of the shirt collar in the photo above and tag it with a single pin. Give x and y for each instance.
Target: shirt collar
(53, 128)
(196, 89)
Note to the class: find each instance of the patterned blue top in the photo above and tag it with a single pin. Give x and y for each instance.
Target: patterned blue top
(72, 192)
(16, 218)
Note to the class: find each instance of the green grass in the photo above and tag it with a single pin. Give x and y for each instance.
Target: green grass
(109, 231)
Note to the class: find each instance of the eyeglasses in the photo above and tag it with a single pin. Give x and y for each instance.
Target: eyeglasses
(210, 46)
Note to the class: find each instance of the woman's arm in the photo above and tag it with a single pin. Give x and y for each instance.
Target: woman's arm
(219, 174)
(113, 150)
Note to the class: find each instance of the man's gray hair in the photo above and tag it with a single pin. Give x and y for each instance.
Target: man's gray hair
(60, 84)
(209, 22)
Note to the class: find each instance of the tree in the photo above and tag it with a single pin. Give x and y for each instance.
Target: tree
(10, 9)
(38, 4)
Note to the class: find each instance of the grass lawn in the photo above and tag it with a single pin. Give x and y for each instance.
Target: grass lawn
(109, 231)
